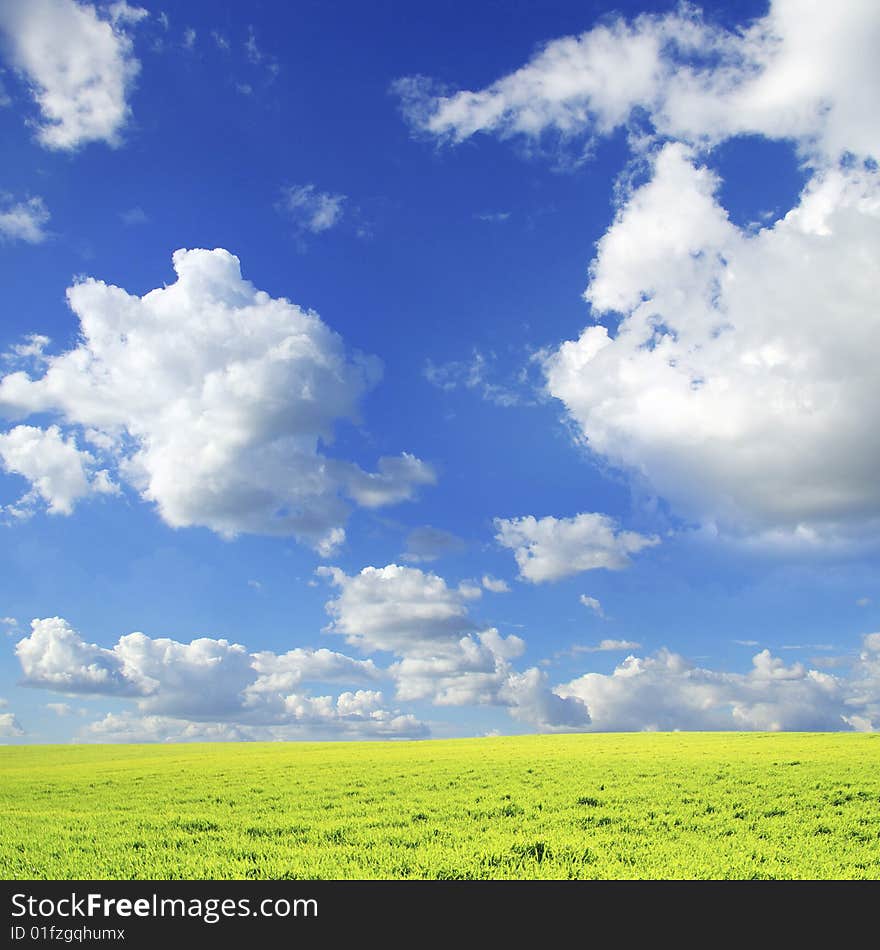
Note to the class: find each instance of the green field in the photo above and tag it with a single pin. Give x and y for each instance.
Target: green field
(669, 805)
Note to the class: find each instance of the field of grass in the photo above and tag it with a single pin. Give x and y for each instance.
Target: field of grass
(579, 806)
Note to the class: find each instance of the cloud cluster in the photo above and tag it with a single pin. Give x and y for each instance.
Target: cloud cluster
(666, 692)
(737, 379)
(548, 549)
(214, 689)
(209, 684)
(444, 656)
(78, 63)
(209, 397)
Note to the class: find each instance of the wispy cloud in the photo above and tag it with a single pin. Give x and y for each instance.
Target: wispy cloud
(593, 604)
(480, 373)
(312, 210)
(134, 216)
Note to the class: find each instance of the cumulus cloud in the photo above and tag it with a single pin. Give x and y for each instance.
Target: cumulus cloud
(667, 692)
(79, 64)
(738, 382)
(215, 689)
(23, 220)
(60, 709)
(444, 657)
(312, 210)
(495, 584)
(549, 549)
(60, 474)
(209, 684)
(10, 727)
(214, 401)
(55, 657)
(397, 609)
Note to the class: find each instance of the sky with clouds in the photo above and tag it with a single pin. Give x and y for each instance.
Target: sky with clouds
(404, 371)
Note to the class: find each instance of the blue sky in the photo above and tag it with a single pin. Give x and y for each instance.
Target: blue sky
(411, 370)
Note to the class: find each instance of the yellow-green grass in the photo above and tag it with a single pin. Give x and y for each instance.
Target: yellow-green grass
(661, 805)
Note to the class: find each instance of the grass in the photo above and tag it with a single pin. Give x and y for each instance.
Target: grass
(663, 805)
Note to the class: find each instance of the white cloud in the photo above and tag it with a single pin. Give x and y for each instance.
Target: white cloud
(213, 400)
(123, 12)
(863, 602)
(288, 670)
(611, 646)
(592, 603)
(552, 548)
(23, 220)
(739, 383)
(469, 671)
(402, 610)
(60, 474)
(11, 625)
(55, 657)
(31, 348)
(477, 671)
(495, 584)
(530, 699)
(350, 716)
(312, 210)
(189, 38)
(787, 76)
(60, 709)
(444, 657)
(10, 727)
(666, 692)
(740, 380)
(214, 689)
(209, 687)
(80, 67)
